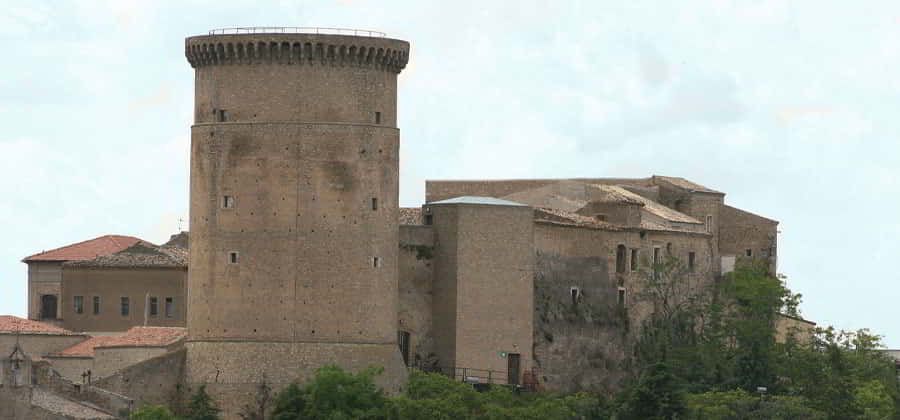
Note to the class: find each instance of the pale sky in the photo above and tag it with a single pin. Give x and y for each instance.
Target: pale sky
(790, 107)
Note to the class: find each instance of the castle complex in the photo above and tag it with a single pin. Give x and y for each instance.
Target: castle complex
(299, 255)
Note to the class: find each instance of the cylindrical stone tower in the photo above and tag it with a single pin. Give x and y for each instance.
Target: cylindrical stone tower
(294, 201)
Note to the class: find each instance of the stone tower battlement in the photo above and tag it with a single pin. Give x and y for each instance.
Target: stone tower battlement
(297, 48)
(294, 208)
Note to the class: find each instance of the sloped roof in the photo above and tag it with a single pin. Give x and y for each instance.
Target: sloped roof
(10, 324)
(565, 195)
(650, 205)
(685, 184)
(410, 216)
(181, 240)
(561, 217)
(85, 250)
(471, 199)
(65, 407)
(134, 337)
(140, 255)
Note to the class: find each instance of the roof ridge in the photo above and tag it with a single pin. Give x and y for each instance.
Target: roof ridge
(81, 243)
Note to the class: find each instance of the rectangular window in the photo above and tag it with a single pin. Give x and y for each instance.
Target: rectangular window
(125, 306)
(691, 258)
(79, 304)
(96, 305)
(620, 259)
(620, 298)
(374, 204)
(403, 342)
(376, 262)
(232, 257)
(170, 307)
(749, 252)
(221, 115)
(377, 117)
(656, 255)
(428, 220)
(709, 224)
(154, 306)
(634, 260)
(576, 295)
(227, 202)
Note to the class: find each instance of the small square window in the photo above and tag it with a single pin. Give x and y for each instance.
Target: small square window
(232, 257)
(154, 306)
(749, 252)
(125, 306)
(376, 262)
(227, 202)
(96, 305)
(170, 307)
(79, 304)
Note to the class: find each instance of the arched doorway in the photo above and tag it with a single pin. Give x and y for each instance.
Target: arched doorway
(48, 306)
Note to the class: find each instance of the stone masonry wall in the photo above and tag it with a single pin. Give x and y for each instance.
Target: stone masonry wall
(415, 290)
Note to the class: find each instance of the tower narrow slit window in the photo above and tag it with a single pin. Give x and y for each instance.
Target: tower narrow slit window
(376, 262)
(374, 203)
(233, 257)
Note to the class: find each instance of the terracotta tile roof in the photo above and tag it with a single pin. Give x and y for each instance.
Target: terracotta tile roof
(410, 215)
(85, 250)
(685, 184)
(140, 255)
(565, 195)
(135, 337)
(562, 217)
(12, 324)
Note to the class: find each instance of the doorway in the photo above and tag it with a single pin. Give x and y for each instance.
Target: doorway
(513, 362)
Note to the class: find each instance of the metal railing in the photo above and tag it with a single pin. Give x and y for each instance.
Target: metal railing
(470, 375)
(296, 30)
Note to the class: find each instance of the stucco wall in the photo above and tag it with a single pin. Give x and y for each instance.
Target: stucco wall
(44, 278)
(113, 284)
(38, 344)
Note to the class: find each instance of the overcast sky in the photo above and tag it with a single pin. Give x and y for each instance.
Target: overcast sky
(790, 107)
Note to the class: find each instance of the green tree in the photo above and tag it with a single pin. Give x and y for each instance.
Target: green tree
(202, 406)
(333, 394)
(290, 403)
(657, 395)
(152, 412)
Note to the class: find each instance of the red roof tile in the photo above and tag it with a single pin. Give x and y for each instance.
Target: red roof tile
(135, 337)
(13, 324)
(86, 250)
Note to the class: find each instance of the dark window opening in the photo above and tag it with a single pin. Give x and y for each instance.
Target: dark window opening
(96, 305)
(227, 202)
(513, 368)
(749, 252)
(403, 342)
(709, 222)
(374, 203)
(620, 299)
(669, 248)
(125, 306)
(221, 115)
(691, 258)
(620, 259)
(48, 307)
(170, 307)
(79, 304)
(429, 219)
(233, 257)
(600, 217)
(154, 306)
(376, 262)
(634, 260)
(576, 295)
(377, 117)
(656, 256)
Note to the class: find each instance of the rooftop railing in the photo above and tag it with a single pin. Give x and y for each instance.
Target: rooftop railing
(296, 30)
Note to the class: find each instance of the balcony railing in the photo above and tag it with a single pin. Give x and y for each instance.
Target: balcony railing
(296, 30)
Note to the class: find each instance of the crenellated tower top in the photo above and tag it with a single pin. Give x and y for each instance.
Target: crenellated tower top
(299, 46)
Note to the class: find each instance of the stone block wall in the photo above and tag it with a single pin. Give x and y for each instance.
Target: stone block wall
(415, 291)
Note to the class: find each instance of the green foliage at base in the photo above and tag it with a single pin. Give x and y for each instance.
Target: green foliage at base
(152, 412)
